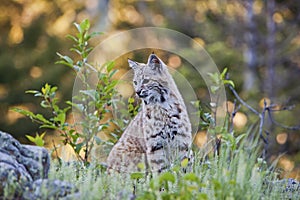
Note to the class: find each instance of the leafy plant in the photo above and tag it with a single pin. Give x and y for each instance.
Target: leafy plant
(37, 140)
(219, 80)
(90, 104)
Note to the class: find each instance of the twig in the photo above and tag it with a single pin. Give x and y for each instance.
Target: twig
(293, 128)
(232, 115)
(262, 121)
(242, 101)
(56, 153)
(260, 115)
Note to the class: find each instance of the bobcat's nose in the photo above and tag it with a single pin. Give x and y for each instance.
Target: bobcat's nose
(142, 93)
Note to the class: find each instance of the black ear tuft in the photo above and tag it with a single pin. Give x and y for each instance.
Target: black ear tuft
(154, 62)
(153, 59)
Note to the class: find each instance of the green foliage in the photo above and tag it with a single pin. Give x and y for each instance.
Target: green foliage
(49, 101)
(237, 175)
(219, 80)
(37, 140)
(131, 107)
(91, 104)
(207, 119)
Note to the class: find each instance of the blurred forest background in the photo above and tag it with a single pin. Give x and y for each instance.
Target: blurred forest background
(258, 41)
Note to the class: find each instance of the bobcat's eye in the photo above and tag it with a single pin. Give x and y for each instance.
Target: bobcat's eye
(134, 82)
(145, 81)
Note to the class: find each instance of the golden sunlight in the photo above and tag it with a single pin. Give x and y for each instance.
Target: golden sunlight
(125, 89)
(12, 116)
(16, 34)
(281, 138)
(240, 120)
(174, 61)
(36, 72)
(277, 17)
(263, 100)
(200, 138)
(286, 164)
(3, 91)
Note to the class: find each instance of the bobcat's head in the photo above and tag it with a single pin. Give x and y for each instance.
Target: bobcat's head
(151, 80)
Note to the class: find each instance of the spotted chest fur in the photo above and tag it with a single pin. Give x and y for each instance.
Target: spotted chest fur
(167, 133)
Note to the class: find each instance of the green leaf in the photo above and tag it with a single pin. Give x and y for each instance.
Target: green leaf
(32, 92)
(61, 118)
(64, 63)
(167, 177)
(141, 166)
(90, 93)
(202, 196)
(113, 73)
(49, 126)
(110, 65)
(97, 140)
(240, 137)
(130, 100)
(71, 37)
(191, 177)
(184, 162)
(216, 184)
(214, 77)
(85, 25)
(93, 34)
(23, 112)
(222, 75)
(78, 147)
(53, 89)
(41, 118)
(30, 138)
(45, 104)
(229, 82)
(136, 175)
(65, 58)
(78, 27)
(46, 89)
(37, 140)
(76, 50)
(214, 88)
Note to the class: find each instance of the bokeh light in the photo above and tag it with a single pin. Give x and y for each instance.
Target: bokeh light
(240, 120)
(281, 138)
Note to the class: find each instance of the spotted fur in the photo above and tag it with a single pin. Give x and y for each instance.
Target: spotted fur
(160, 134)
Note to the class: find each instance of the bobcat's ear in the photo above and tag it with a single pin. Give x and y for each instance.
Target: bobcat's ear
(132, 64)
(155, 63)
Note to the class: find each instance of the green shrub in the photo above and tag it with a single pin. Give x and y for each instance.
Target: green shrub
(91, 104)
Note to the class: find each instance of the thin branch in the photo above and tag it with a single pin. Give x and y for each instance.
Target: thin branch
(242, 101)
(293, 128)
(262, 122)
(260, 115)
(56, 153)
(232, 115)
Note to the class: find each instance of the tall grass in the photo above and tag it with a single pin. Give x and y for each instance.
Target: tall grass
(233, 174)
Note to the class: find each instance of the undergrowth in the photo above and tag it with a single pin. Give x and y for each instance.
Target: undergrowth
(230, 175)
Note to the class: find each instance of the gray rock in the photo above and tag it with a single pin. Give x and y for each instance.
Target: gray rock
(49, 189)
(24, 172)
(35, 160)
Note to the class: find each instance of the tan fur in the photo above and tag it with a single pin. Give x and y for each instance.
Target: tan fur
(160, 134)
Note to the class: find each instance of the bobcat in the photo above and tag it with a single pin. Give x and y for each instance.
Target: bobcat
(160, 133)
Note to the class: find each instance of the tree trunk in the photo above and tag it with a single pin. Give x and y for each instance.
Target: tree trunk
(250, 52)
(270, 53)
